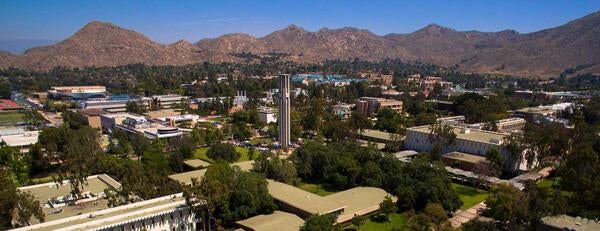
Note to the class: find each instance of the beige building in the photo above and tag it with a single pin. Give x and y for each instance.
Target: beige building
(469, 141)
(371, 105)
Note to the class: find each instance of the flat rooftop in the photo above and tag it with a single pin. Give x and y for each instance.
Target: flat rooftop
(467, 134)
(108, 217)
(381, 135)
(23, 139)
(562, 222)
(302, 200)
(95, 186)
(464, 157)
(186, 177)
(359, 201)
(278, 220)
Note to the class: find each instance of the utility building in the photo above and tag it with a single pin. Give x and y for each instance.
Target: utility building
(284, 110)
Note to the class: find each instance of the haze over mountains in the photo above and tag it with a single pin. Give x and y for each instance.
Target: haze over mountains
(543, 53)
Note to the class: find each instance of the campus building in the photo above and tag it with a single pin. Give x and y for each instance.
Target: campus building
(91, 211)
(19, 137)
(115, 103)
(266, 115)
(77, 92)
(371, 105)
(470, 141)
(132, 123)
(504, 125)
(167, 101)
(343, 110)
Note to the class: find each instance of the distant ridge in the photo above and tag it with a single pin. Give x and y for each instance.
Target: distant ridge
(543, 53)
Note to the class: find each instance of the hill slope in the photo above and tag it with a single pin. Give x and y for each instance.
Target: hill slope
(543, 53)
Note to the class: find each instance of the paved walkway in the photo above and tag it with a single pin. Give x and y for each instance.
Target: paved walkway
(461, 217)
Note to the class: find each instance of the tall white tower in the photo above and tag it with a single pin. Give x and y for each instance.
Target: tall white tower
(284, 110)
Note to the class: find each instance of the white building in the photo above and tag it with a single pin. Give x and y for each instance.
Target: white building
(342, 110)
(114, 105)
(267, 115)
(470, 141)
(132, 123)
(19, 138)
(167, 101)
(91, 212)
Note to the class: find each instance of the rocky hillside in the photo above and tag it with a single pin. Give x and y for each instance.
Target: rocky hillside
(543, 53)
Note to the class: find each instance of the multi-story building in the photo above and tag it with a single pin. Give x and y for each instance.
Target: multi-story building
(167, 101)
(132, 123)
(77, 92)
(469, 141)
(115, 103)
(91, 211)
(343, 110)
(504, 125)
(370, 105)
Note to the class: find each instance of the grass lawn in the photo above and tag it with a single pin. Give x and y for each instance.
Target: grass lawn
(11, 118)
(201, 154)
(396, 220)
(545, 183)
(318, 189)
(469, 195)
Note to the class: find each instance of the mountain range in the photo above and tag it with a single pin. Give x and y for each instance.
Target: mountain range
(543, 53)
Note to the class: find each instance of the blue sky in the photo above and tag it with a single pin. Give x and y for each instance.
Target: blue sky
(169, 21)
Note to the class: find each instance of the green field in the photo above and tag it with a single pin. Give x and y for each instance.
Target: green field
(11, 118)
(201, 154)
(396, 221)
(545, 183)
(469, 195)
(318, 189)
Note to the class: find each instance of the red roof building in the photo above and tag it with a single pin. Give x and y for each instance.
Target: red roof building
(8, 105)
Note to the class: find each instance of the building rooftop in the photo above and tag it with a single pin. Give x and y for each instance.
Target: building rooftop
(186, 177)
(359, 201)
(278, 220)
(53, 197)
(380, 135)
(109, 217)
(468, 134)
(562, 222)
(302, 200)
(21, 139)
(7, 104)
(464, 157)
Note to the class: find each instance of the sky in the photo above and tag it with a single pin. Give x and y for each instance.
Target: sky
(169, 21)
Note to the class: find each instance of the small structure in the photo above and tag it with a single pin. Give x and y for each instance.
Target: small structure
(266, 115)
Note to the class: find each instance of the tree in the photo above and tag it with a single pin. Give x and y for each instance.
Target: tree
(507, 205)
(16, 205)
(224, 152)
(16, 163)
(75, 120)
(358, 221)
(134, 107)
(324, 222)
(387, 207)
(477, 225)
(5, 91)
(273, 167)
(388, 120)
(496, 160)
(434, 217)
